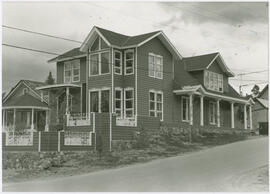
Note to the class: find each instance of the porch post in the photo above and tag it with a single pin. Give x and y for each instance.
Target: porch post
(3, 121)
(191, 109)
(232, 114)
(245, 116)
(14, 119)
(218, 113)
(47, 121)
(201, 109)
(250, 117)
(67, 97)
(32, 120)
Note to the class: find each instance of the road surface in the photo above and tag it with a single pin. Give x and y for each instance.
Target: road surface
(207, 170)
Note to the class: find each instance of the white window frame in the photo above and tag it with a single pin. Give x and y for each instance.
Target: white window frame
(213, 81)
(125, 53)
(187, 108)
(155, 71)
(121, 101)
(72, 71)
(25, 91)
(214, 113)
(155, 101)
(99, 97)
(120, 68)
(99, 63)
(125, 109)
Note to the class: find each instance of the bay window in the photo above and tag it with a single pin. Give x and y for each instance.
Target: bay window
(129, 62)
(213, 81)
(117, 62)
(129, 102)
(156, 104)
(118, 102)
(185, 108)
(155, 66)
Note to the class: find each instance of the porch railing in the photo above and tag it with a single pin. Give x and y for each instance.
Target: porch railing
(129, 122)
(19, 138)
(78, 119)
(78, 138)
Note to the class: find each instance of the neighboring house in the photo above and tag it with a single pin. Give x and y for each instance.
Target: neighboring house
(23, 109)
(260, 109)
(122, 83)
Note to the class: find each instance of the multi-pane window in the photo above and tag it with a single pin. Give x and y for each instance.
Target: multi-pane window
(99, 101)
(212, 113)
(129, 62)
(185, 108)
(213, 81)
(98, 44)
(72, 71)
(118, 102)
(156, 104)
(99, 63)
(155, 65)
(118, 62)
(129, 102)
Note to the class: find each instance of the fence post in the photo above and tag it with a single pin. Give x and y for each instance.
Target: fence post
(59, 142)
(190, 135)
(39, 141)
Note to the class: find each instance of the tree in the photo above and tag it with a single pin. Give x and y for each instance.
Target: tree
(255, 91)
(50, 79)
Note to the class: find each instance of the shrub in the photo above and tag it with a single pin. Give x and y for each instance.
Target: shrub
(141, 139)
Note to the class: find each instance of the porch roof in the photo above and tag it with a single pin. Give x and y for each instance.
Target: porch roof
(25, 101)
(55, 86)
(199, 90)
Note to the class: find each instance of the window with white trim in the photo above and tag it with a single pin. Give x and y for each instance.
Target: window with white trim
(100, 100)
(156, 104)
(129, 102)
(99, 63)
(213, 81)
(118, 62)
(72, 71)
(155, 66)
(129, 62)
(212, 113)
(185, 108)
(118, 102)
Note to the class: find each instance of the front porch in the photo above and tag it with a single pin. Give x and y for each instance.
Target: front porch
(201, 108)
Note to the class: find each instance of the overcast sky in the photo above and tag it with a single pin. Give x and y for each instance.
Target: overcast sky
(239, 31)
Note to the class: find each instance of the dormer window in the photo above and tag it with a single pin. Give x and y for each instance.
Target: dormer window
(72, 71)
(213, 81)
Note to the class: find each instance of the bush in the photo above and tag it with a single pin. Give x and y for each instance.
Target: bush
(141, 139)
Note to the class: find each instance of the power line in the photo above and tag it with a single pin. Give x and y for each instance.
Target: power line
(252, 72)
(246, 80)
(29, 49)
(41, 34)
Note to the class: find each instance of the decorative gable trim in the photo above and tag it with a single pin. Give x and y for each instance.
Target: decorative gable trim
(15, 88)
(84, 46)
(226, 68)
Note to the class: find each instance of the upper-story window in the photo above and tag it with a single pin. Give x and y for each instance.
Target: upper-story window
(99, 63)
(213, 81)
(129, 62)
(25, 91)
(98, 44)
(72, 71)
(155, 66)
(118, 62)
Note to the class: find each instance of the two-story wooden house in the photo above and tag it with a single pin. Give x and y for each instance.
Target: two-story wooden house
(141, 81)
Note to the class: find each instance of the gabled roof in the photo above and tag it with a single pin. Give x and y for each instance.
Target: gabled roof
(202, 62)
(25, 100)
(73, 53)
(263, 102)
(30, 84)
(122, 41)
(263, 91)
